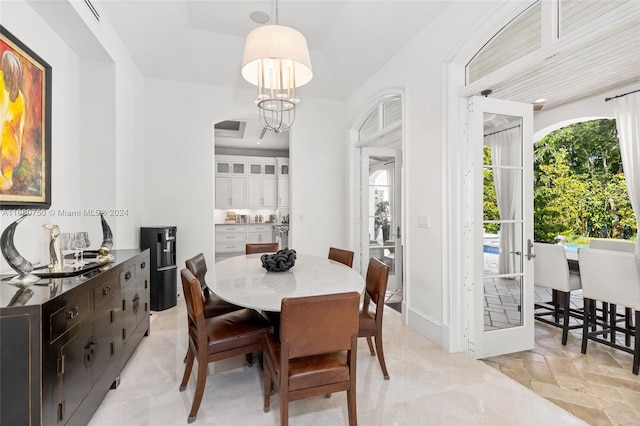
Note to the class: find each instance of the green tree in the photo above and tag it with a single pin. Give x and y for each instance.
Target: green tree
(579, 183)
(559, 203)
(490, 202)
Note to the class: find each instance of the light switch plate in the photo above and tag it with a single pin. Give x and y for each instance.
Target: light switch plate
(424, 222)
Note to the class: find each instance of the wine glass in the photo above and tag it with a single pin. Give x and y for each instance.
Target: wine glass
(65, 240)
(79, 243)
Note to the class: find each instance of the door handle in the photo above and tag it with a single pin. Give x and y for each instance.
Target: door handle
(530, 255)
(516, 252)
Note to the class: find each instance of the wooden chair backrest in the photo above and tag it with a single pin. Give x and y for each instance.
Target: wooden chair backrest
(252, 248)
(316, 325)
(342, 256)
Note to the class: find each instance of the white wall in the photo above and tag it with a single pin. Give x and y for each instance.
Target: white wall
(417, 69)
(96, 126)
(179, 172)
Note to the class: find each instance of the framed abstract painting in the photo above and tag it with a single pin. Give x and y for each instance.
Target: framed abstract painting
(25, 115)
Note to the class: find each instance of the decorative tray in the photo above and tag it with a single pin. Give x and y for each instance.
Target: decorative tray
(71, 271)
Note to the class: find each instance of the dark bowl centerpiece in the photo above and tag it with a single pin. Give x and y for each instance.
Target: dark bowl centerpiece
(281, 261)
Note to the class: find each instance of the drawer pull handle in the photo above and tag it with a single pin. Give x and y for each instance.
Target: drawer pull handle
(143, 265)
(73, 313)
(127, 275)
(90, 352)
(106, 291)
(136, 303)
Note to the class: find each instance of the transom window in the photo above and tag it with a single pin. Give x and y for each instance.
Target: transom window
(384, 119)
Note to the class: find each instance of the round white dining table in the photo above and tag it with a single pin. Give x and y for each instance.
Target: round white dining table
(243, 281)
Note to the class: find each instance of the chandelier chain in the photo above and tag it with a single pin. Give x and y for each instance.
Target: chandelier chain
(276, 11)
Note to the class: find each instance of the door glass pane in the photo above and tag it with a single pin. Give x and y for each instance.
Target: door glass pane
(269, 169)
(502, 296)
(502, 221)
(500, 257)
(255, 169)
(382, 222)
(238, 168)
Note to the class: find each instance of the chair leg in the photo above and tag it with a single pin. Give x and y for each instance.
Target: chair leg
(370, 343)
(383, 365)
(187, 370)
(594, 309)
(628, 314)
(556, 302)
(197, 397)
(605, 319)
(636, 351)
(585, 324)
(565, 318)
(249, 358)
(351, 404)
(267, 387)
(284, 409)
(613, 311)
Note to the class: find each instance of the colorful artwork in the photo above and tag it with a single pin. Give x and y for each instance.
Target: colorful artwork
(25, 117)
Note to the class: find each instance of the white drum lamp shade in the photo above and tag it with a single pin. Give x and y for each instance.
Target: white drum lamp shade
(276, 59)
(267, 44)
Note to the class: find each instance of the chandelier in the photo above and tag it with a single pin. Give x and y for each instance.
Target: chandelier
(276, 59)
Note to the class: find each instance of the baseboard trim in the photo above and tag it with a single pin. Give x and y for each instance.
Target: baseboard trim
(428, 327)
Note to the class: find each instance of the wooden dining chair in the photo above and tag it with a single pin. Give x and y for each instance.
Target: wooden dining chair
(551, 270)
(342, 256)
(315, 352)
(213, 305)
(370, 321)
(220, 337)
(252, 248)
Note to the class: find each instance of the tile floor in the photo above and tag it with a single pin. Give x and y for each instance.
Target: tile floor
(598, 387)
(428, 387)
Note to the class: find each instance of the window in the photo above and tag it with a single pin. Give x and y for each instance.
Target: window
(384, 119)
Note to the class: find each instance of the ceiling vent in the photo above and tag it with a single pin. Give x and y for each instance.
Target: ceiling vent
(92, 9)
(230, 129)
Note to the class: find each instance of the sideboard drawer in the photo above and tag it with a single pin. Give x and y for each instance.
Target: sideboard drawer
(68, 316)
(127, 276)
(104, 292)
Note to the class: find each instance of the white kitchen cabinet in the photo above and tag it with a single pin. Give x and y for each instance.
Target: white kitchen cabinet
(230, 166)
(283, 183)
(283, 192)
(262, 192)
(266, 167)
(259, 234)
(231, 192)
(283, 166)
(231, 238)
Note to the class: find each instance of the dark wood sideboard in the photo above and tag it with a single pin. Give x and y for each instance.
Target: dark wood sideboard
(64, 341)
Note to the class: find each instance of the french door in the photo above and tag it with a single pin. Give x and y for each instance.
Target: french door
(501, 147)
(380, 230)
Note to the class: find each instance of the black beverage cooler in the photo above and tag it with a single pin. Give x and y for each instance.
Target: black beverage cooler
(161, 242)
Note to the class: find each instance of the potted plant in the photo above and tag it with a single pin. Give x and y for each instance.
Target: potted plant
(381, 219)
